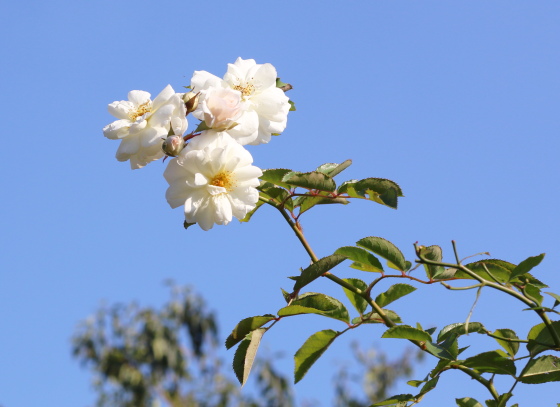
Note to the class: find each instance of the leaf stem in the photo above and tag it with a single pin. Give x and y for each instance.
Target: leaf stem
(496, 286)
(480, 379)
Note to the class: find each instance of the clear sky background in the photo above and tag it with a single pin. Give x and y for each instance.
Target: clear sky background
(456, 101)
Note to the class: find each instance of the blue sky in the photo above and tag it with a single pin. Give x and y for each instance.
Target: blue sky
(456, 101)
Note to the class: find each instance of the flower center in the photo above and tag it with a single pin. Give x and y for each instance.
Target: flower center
(246, 90)
(224, 179)
(140, 111)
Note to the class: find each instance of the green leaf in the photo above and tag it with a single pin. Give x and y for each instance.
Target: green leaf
(292, 106)
(245, 326)
(311, 351)
(499, 269)
(332, 169)
(407, 332)
(446, 350)
(385, 249)
(363, 260)
(245, 355)
(375, 318)
(540, 334)
(525, 266)
(250, 214)
(510, 347)
(394, 400)
(491, 362)
(357, 301)
(187, 225)
(317, 269)
(556, 298)
(415, 383)
(433, 253)
(280, 195)
(279, 83)
(310, 180)
(202, 126)
(430, 385)
(534, 293)
(286, 295)
(440, 366)
(275, 176)
(315, 303)
(393, 293)
(542, 370)
(460, 329)
(379, 190)
(468, 402)
(322, 198)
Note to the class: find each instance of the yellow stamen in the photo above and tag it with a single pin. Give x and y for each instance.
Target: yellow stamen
(246, 90)
(141, 110)
(224, 179)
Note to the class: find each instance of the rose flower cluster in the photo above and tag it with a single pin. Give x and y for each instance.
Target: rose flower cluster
(211, 174)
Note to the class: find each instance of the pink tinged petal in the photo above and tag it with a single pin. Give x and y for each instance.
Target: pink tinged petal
(163, 97)
(264, 77)
(121, 109)
(128, 147)
(138, 97)
(116, 130)
(202, 80)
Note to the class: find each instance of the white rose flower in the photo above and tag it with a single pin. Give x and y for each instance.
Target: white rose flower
(266, 106)
(214, 180)
(143, 123)
(221, 107)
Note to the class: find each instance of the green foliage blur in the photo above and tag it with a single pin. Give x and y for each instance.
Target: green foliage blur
(147, 357)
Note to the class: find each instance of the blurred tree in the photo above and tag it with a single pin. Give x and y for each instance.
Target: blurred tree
(140, 358)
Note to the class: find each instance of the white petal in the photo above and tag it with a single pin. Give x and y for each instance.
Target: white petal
(200, 180)
(239, 71)
(202, 80)
(223, 213)
(176, 195)
(152, 136)
(138, 97)
(174, 171)
(121, 109)
(116, 130)
(265, 77)
(128, 147)
(272, 104)
(163, 97)
(247, 129)
(247, 174)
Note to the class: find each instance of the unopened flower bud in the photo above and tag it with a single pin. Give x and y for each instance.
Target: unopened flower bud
(173, 145)
(191, 101)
